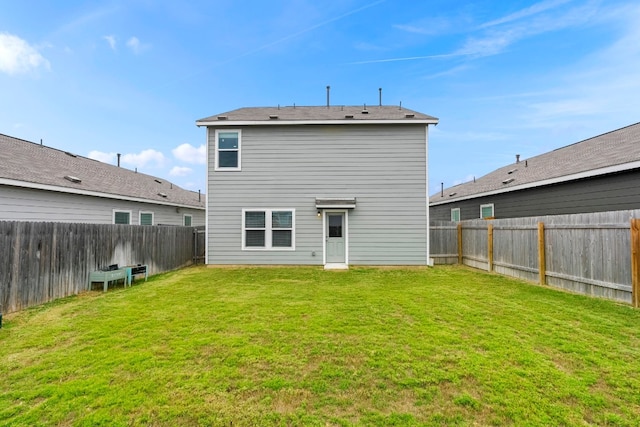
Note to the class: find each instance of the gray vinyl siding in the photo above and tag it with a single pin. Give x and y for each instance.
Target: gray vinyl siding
(613, 192)
(24, 204)
(383, 167)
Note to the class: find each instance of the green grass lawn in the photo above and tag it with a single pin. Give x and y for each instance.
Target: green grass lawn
(302, 346)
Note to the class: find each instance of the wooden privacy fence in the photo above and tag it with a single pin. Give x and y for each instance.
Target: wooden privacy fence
(43, 261)
(594, 254)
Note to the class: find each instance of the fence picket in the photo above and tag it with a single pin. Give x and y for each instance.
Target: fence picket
(43, 261)
(586, 253)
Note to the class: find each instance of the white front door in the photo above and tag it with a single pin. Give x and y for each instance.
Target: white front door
(335, 233)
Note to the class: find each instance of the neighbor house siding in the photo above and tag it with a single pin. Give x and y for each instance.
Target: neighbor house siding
(287, 167)
(24, 204)
(613, 192)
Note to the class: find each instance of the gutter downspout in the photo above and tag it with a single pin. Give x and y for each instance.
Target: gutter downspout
(426, 154)
(206, 205)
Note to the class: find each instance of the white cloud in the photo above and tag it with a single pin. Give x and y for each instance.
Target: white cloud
(17, 56)
(529, 11)
(111, 40)
(602, 84)
(428, 27)
(136, 45)
(144, 157)
(190, 154)
(494, 37)
(102, 157)
(180, 171)
(495, 41)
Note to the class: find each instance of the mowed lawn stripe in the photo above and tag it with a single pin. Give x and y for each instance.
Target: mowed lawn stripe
(303, 346)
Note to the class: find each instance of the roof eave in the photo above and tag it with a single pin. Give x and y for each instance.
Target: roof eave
(226, 123)
(580, 175)
(59, 189)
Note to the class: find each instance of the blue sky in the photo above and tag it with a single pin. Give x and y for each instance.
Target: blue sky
(519, 77)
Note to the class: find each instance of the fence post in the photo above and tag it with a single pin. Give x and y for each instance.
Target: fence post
(460, 243)
(542, 267)
(635, 262)
(490, 246)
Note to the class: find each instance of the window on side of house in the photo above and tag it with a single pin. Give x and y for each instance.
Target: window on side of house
(227, 149)
(121, 217)
(486, 211)
(268, 229)
(455, 214)
(146, 218)
(187, 220)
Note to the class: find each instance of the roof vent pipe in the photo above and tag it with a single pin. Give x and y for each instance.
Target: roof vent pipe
(198, 195)
(118, 159)
(517, 158)
(328, 90)
(442, 189)
(380, 96)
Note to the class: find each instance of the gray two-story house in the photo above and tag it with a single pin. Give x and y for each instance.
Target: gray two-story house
(331, 185)
(44, 184)
(598, 174)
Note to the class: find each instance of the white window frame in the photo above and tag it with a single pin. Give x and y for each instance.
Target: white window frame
(184, 218)
(217, 166)
(488, 205)
(113, 216)
(268, 230)
(153, 217)
(453, 212)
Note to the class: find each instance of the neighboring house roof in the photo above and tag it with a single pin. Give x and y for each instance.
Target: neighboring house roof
(31, 165)
(615, 151)
(298, 115)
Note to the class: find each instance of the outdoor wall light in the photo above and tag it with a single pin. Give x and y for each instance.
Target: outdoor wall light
(319, 213)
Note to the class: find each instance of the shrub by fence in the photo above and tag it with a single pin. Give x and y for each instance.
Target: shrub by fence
(595, 254)
(43, 261)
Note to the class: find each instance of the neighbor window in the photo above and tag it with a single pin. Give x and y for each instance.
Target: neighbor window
(146, 218)
(455, 214)
(268, 229)
(486, 211)
(187, 220)
(121, 217)
(227, 150)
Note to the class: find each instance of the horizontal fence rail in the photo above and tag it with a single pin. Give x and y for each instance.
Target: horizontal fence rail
(594, 254)
(43, 261)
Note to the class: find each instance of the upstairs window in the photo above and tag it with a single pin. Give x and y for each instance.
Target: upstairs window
(486, 211)
(146, 218)
(121, 217)
(187, 220)
(271, 229)
(455, 215)
(227, 153)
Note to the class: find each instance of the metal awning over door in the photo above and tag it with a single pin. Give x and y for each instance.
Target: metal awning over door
(335, 202)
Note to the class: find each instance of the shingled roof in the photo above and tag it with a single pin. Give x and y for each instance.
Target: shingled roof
(317, 114)
(27, 164)
(615, 151)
